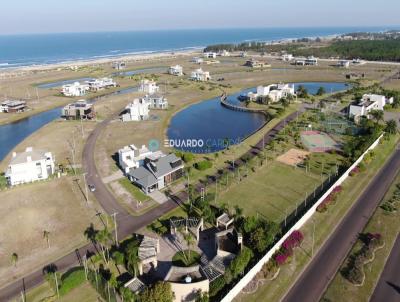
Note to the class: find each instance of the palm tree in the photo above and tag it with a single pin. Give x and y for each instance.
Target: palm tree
(377, 115)
(189, 239)
(132, 257)
(14, 259)
(103, 237)
(391, 127)
(90, 233)
(46, 235)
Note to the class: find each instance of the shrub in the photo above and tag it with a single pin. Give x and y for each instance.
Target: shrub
(238, 265)
(355, 171)
(216, 286)
(71, 280)
(203, 165)
(281, 258)
(294, 240)
(187, 157)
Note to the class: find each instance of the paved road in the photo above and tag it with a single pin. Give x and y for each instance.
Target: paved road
(388, 287)
(127, 224)
(313, 282)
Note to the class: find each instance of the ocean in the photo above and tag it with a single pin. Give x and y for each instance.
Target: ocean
(33, 49)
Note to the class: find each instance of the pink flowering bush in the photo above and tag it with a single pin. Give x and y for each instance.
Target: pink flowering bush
(294, 240)
(281, 258)
(323, 206)
(355, 171)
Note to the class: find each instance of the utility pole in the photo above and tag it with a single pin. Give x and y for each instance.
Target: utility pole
(55, 278)
(114, 215)
(86, 187)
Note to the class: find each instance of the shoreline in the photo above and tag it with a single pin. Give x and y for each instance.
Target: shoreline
(4, 72)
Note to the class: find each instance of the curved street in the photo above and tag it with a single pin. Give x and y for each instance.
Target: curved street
(127, 224)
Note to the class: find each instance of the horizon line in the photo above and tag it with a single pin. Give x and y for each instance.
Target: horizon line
(392, 27)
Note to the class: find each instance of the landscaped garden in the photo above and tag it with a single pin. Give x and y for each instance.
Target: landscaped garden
(186, 258)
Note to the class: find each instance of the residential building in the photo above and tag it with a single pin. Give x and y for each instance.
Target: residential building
(130, 157)
(119, 65)
(75, 89)
(176, 70)
(100, 84)
(256, 64)
(197, 60)
(210, 55)
(200, 75)
(311, 60)
(343, 63)
(10, 106)
(148, 86)
(274, 91)
(368, 103)
(137, 110)
(78, 110)
(156, 101)
(287, 57)
(224, 53)
(29, 166)
(157, 172)
(300, 61)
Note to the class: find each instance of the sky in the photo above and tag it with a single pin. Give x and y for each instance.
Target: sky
(44, 16)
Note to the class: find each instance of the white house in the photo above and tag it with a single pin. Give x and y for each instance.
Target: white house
(343, 63)
(156, 101)
(368, 103)
(9, 106)
(197, 60)
(99, 84)
(75, 89)
(29, 166)
(148, 86)
(275, 91)
(210, 55)
(287, 57)
(137, 110)
(130, 157)
(200, 75)
(176, 70)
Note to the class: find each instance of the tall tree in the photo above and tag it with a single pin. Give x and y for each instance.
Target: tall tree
(159, 292)
(103, 237)
(391, 127)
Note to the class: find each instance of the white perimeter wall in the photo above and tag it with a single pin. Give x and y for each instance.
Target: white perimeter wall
(251, 274)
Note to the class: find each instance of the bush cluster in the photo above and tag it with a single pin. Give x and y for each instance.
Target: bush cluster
(331, 198)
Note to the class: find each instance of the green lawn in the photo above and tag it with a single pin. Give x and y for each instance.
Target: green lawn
(389, 226)
(271, 190)
(132, 189)
(325, 222)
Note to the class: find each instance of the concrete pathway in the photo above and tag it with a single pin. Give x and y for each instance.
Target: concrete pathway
(158, 196)
(115, 176)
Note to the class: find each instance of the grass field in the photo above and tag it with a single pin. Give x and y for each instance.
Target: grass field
(28, 211)
(83, 293)
(387, 224)
(271, 191)
(325, 224)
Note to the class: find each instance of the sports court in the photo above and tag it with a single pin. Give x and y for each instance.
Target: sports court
(316, 141)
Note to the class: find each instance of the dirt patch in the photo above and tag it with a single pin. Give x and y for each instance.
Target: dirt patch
(293, 157)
